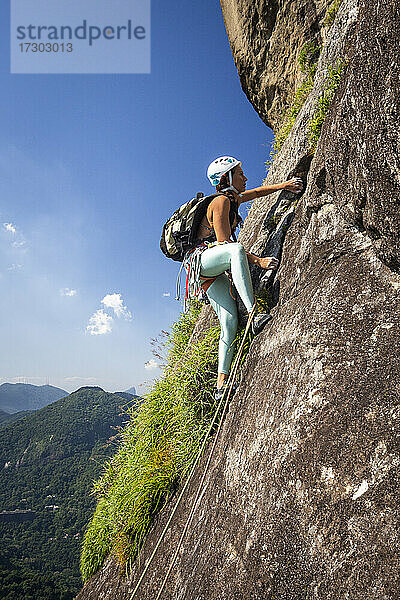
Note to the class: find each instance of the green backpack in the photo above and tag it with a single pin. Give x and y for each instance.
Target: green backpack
(179, 232)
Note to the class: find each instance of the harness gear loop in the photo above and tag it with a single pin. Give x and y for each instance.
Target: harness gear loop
(178, 284)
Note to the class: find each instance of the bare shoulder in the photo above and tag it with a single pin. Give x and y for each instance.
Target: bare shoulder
(219, 202)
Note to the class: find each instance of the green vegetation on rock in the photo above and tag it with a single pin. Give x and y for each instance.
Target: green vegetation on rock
(158, 447)
(332, 80)
(331, 13)
(308, 58)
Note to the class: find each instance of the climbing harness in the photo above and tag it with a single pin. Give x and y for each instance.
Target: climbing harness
(225, 396)
(192, 264)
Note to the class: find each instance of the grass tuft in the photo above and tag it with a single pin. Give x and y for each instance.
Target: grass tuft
(335, 73)
(331, 13)
(308, 59)
(157, 449)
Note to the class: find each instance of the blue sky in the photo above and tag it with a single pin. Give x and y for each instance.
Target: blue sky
(91, 166)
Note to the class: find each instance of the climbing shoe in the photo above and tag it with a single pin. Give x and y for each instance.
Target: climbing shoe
(219, 391)
(259, 321)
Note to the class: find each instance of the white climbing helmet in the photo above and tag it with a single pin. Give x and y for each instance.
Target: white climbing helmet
(219, 167)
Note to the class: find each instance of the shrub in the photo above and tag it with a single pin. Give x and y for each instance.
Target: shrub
(158, 447)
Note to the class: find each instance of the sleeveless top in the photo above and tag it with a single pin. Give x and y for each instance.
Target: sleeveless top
(233, 215)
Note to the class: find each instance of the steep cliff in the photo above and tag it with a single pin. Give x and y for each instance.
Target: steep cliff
(301, 499)
(266, 38)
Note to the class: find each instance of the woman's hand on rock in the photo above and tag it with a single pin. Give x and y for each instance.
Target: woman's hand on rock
(294, 185)
(268, 262)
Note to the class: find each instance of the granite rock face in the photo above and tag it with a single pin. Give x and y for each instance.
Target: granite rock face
(266, 37)
(301, 500)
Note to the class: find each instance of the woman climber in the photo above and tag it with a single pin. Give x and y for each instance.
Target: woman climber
(216, 252)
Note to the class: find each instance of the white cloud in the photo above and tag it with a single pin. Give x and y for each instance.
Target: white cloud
(151, 364)
(14, 267)
(18, 241)
(9, 227)
(99, 323)
(25, 379)
(76, 378)
(67, 292)
(166, 294)
(115, 302)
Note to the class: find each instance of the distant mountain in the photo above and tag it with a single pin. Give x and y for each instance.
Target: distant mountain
(132, 390)
(15, 397)
(48, 461)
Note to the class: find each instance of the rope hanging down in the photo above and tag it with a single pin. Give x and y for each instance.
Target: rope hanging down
(225, 396)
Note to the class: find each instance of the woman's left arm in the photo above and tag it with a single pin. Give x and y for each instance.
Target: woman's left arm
(292, 185)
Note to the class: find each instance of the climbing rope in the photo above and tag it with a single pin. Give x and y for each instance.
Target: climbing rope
(225, 396)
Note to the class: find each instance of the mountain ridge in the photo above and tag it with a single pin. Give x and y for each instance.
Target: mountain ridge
(15, 397)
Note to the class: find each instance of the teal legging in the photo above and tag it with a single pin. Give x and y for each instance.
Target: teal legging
(215, 261)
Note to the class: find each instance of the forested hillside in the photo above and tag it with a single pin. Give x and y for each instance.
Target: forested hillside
(48, 460)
